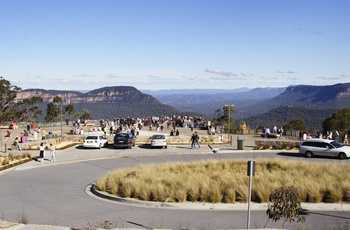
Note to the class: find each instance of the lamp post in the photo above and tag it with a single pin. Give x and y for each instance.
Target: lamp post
(61, 124)
(229, 119)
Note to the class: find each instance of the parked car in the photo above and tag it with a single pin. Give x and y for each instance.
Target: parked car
(124, 140)
(95, 141)
(159, 140)
(324, 147)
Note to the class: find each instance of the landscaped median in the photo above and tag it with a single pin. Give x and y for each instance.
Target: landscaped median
(226, 181)
(13, 160)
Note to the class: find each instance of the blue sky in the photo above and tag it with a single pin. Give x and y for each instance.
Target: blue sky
(164, 44)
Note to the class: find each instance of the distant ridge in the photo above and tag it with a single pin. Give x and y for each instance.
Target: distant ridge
(316, 97)
(107, 102)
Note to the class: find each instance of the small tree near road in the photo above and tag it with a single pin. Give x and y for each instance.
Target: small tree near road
(286, 204)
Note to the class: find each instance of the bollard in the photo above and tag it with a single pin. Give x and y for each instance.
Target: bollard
(5, 148)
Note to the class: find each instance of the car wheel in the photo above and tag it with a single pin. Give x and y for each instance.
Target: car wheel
(342, 156)
(165, 147)
(308, 154)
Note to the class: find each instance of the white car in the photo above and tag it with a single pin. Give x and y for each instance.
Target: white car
(95, 141)
(159, 140)
(324, 147)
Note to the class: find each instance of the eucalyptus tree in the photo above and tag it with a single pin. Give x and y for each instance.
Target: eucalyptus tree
(339, 121)
(8, 93)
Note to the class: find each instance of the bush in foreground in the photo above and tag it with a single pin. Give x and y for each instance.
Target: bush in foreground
(226, 181)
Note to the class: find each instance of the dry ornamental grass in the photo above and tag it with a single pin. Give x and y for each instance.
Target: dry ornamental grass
(226, 181)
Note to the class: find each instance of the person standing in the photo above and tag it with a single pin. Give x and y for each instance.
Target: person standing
(317, 134)
(28, 128)
(43, 134)
(35, 135)
(52, 152)
(280, 131)
(42, 152)
(346, 138)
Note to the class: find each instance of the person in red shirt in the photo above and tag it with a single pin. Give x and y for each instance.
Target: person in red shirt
(8, 133)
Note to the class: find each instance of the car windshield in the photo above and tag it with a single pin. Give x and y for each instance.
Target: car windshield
(336, 144)
(122, 136)
(158, 137)
(91, 138)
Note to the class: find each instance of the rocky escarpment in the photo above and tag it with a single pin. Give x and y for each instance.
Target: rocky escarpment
(106, 94)
(116, 101)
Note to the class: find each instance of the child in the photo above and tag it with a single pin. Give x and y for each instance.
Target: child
(53, 153)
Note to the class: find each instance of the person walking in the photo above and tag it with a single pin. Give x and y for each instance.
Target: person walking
(52, 152)
(42, 152)
(192, 140)
(195, 139)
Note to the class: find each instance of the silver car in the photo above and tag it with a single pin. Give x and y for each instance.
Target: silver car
(324, 147)
(159, 140)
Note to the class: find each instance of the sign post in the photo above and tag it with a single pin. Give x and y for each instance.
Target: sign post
(250, 173)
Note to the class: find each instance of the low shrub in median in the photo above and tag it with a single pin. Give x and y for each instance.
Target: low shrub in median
(226, 181)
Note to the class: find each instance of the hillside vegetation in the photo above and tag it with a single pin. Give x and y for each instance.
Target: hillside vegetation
(283, 115)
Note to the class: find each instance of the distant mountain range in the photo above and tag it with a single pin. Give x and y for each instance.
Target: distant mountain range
(253, 105)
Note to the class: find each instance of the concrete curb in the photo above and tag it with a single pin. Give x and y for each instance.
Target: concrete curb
(210, 206)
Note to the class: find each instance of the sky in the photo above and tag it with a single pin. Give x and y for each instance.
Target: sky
(168, 44)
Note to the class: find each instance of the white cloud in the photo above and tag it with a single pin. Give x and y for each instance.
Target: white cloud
(287, 72)
(220, 72)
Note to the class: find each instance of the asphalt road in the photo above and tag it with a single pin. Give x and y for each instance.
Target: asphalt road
(55, 193)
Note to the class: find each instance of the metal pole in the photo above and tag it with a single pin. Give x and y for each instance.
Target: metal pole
(228, 138)
(61, 124)
(250, 192)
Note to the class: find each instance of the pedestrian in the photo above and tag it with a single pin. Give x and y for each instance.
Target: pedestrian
(192, 140)
(196, 140)
(43, 134)
(330, 135)
(280, 131)
(346, 138)
(28, 128)
(42, 152)
(52, 152)
(35, 135)
(337, 135)
(317, 134)
(8, 133)
(17, 144)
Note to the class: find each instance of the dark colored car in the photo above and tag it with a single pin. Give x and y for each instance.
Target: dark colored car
(124, 140)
